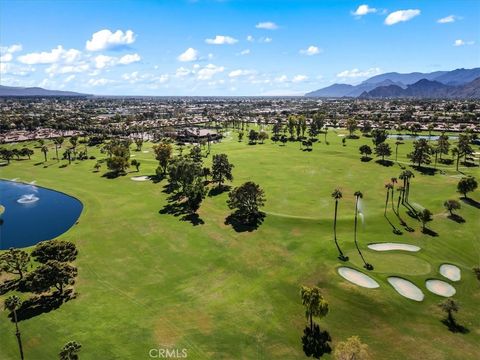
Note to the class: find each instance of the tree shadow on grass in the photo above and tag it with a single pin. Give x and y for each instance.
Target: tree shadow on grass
(394, 228)
(425, 170)
(386, 163)
(217, 190)
(366, 159)
(113, 174)
(429, 232)
(454, 327)
(457, 218)
(38, 305)
(8, 285)
(239, 224)
(179, 209)
(316, 343)
(471, 202)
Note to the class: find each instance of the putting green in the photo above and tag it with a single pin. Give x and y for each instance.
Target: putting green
(392, 263)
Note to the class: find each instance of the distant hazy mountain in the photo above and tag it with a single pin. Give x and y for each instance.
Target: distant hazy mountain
(426, 89)
(392, 84)
(35, 91)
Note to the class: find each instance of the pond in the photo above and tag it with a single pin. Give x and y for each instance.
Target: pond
(33, 214)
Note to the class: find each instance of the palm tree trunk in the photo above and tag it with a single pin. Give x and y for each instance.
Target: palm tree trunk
(335, 229)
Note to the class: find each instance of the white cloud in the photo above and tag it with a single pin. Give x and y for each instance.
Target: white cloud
(69, 78)
(267, 25)
(129, 59)
(356, 73)
(58, 69)
(240, 72)
(244, 52)
(181, 72)
(461, 42)
(7, 51)
(221, 40)
(103, 61)
(209, 71)
(99, 82)
(188, 55)
(401, 16)
(311, 50)
(299, 78)
(105, 39)
(53, 56)
(281, 79)
(364, 10)
(265, 40)
(15, 69)
(447, 19)
(250, 38)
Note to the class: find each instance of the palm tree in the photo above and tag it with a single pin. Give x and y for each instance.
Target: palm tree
(44, 150)
(393, 181)
(12, 303)
(389, 187)
(358, 196)
(70, 351)
(337, 195)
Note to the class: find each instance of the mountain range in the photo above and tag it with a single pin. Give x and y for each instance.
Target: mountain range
(459, 83)
(34, 91)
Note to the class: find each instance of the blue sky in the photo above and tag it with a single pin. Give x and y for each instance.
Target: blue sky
(229, 47)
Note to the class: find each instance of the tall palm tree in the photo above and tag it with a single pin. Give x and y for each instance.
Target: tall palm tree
(389, 187)
(337, 195)
(396, 149)
(12, 303)
(358, 196)
(393, 182)
(44, 150)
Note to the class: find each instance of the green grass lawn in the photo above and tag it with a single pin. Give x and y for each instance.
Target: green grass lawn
(149, 280)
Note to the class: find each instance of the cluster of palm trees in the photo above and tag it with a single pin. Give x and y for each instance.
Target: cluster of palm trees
(337, 195)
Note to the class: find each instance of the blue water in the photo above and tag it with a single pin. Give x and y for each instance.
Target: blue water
(27, 224)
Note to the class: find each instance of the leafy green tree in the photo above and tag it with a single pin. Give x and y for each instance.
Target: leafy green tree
(136, 164)
(195, 193)
(421, 152)
(59, 250)
(67, 154)
(337, 195)
(14, 261)
(58, 143)
(253, 136)
(451, 206)
(163, 153)
(291, 125)
(182, 172)
(365, 150)
(139, 143)
(378, 136)
(351, 349)
(383, 149)
(120, 159)
(6, 154)
(476, 271)
(27, 152)
(196, 154)
(70, 351)
(51, 274)
(97, 166)
(247, 200)
(463, 146)
(262, 136)
(443, 146)
(466, 185)
(351, 126)
(240, 136)
(449, 306)
(425, 216)
(314, 303)
(221, 169)
(12, 303)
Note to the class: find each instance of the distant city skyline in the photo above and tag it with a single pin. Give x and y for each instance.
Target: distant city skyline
(228, 47)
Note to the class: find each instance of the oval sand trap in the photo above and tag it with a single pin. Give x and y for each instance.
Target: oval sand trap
(451, 272)
(388, 246)
(440, 287)
(140, 178)
(406, 288)
(357, 277)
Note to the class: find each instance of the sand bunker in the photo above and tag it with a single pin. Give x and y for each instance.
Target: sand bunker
(357, 277)
(406, 288)
(440, 287)
(393, 246)
(140, 178)
(145, 151)
(451, 272)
